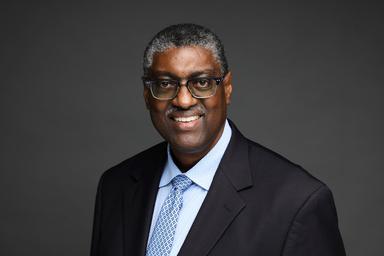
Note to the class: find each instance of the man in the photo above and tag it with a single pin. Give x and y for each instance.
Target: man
(206, 190)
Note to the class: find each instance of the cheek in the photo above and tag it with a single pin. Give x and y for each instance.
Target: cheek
(218, 111)
(157, 112)
(157, 107)
(217, 106)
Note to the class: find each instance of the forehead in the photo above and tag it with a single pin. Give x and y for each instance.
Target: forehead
(183, 61)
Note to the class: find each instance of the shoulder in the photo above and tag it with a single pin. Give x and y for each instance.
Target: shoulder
(272, 164)
(134, 165)
(279, 177)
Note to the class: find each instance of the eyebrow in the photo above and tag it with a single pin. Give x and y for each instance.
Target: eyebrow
(193, 74)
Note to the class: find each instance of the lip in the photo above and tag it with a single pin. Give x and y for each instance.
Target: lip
(187, 113)
(186, 123)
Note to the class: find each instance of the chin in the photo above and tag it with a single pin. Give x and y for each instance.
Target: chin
(187, 145)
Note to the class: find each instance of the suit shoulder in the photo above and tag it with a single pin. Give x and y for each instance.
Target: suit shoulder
(267, 164)
(127, 166)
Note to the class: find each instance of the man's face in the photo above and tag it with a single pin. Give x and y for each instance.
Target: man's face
(190, 125)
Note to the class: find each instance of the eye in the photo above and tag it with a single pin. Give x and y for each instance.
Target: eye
(201, 83)
(166, 84)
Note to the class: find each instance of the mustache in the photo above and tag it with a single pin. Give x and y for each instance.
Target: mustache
(196, 109)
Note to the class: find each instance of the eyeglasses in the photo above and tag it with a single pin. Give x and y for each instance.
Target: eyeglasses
(167, 89)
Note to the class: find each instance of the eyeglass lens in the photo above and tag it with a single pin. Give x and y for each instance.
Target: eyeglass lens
(199, 88)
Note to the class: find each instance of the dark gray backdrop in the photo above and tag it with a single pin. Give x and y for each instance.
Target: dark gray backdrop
(308, 83)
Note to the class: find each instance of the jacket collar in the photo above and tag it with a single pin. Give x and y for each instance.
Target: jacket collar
(235, 163)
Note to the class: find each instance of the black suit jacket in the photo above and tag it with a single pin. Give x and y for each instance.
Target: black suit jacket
(259, 203)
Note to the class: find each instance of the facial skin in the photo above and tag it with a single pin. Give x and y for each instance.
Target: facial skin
(189, 141)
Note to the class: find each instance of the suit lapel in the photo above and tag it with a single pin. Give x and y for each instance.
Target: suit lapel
(139, 202)
(222, 203)
(220, 207)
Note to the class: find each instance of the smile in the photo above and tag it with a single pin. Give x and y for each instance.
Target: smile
(186, 119)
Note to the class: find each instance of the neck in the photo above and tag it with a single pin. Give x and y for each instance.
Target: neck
(185, 160)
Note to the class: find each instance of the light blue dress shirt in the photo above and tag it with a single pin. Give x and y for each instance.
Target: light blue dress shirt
(202, 175)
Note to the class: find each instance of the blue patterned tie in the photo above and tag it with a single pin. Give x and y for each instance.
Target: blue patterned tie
(161, 240)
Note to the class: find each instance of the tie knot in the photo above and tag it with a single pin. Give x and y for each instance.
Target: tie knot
(181, 182)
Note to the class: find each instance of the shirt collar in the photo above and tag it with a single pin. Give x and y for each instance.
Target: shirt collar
(203, 171)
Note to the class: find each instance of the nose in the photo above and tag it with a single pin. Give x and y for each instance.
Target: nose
(184, 98)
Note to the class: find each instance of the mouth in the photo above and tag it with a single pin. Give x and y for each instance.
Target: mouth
(186, 119)
(186, 123)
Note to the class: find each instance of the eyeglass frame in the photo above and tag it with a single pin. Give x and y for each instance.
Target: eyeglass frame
(148, 83)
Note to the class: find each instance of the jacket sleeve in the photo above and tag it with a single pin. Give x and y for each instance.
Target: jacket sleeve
(96, 233)
(314, 230)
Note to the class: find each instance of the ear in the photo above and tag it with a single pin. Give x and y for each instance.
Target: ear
(227, 83)
(146, 94)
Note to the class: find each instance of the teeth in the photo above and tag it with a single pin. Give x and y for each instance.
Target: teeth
(186, 119)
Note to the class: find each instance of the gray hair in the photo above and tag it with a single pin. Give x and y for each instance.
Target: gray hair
(180, 35)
